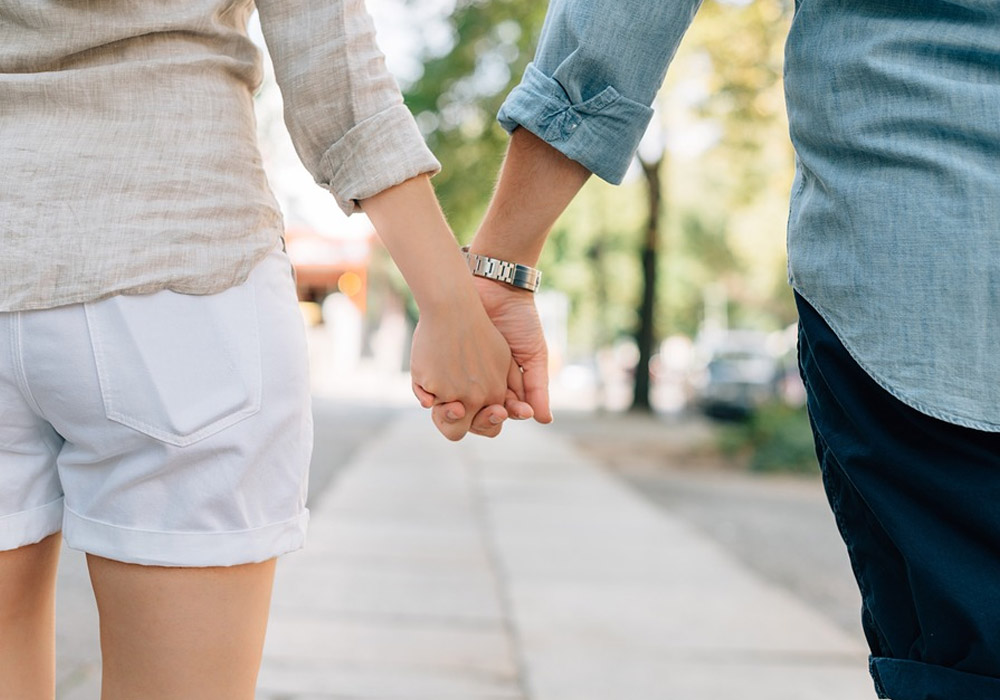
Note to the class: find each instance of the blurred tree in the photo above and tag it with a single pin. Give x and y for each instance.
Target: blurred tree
(646, 333)
(742, 180)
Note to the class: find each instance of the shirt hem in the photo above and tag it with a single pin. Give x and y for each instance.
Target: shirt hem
(932, 411)
(193, 289)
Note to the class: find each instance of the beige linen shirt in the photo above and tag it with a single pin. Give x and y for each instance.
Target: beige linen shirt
(128, 154)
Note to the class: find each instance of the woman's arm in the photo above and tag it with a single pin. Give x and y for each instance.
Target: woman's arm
(352, 131)
(460, 361)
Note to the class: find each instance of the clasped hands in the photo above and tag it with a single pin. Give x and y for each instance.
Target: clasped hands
(477, 362)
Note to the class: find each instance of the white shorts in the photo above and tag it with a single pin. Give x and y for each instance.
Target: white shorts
(164, 429)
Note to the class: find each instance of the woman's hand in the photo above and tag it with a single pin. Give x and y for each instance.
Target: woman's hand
(461, 366)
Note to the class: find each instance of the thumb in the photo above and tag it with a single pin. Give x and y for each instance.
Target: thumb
(536, 387)
(515, 403)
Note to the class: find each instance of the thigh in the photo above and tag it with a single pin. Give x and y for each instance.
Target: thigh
(915, 500)
(186, 421)
(168, 632)
(27, 619)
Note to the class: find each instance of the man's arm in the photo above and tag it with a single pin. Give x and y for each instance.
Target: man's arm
(536, 184)
(597, 69)
(581, 108)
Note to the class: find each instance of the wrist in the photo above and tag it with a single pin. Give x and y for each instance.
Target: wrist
(450, 292)
(522, 249)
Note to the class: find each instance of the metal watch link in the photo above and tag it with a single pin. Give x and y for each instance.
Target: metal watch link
(514, 274)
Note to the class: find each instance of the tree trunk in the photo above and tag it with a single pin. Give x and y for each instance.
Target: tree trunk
(646, 336)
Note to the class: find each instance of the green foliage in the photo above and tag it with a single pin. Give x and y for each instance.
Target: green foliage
(739, 185)
(725, 204)
(776, 437)
(457, 98)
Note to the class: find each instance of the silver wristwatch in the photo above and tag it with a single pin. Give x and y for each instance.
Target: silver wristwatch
(520, 276)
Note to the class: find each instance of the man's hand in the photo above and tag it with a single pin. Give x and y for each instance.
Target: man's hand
(514, 314)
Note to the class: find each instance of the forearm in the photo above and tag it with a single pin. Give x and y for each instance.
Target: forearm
(536, 184)
(410, 223)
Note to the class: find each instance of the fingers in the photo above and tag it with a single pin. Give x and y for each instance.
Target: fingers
(536, 387)
(516, 408)
(450, 412)
(453, 424)
(451, 418)
(452, 421)
(449, 422)
(489, 421)
(425, 398)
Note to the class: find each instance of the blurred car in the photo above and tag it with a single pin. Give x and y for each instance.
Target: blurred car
(741, 374)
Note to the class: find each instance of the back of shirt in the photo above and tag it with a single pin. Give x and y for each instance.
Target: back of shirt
(128, 147)
(894, 229)
(121, 121)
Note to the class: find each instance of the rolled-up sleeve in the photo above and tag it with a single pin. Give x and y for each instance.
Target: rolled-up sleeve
(343, 109)
(596, 71)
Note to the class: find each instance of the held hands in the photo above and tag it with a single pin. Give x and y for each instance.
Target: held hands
(536, 184)
(459, 360)
(514, 315)
(472, 372)
(462, 367)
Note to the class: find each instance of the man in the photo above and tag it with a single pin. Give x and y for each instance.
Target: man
(894, 257)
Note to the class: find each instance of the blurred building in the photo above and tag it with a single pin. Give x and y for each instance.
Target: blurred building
(325, 265)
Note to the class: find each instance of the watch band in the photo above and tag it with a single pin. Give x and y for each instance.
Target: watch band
(514, 274)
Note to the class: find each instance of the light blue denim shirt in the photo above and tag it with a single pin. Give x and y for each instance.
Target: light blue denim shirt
(894, 112)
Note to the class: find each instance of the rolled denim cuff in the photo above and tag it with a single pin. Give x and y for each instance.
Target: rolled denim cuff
(601, 133)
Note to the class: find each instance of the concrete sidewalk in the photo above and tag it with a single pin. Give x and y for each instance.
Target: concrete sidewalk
(519, 569)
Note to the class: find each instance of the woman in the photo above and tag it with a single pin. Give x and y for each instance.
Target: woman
(153, 390)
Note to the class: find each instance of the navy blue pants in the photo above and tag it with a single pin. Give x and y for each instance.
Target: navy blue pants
(917, 501)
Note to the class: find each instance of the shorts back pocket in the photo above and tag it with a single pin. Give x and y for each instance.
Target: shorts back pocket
(178, 367)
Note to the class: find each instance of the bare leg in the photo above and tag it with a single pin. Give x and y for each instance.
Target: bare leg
(27, 620)
(192, 633)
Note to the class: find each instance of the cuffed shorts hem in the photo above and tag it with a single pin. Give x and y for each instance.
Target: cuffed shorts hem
(30, 526)
(902, 679)
(187, 549)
